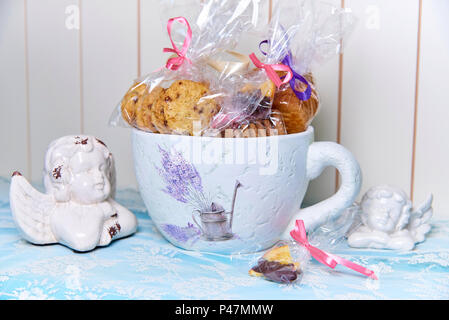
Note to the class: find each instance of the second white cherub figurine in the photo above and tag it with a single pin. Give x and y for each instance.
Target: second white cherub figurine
(388, 220)
(77, 209)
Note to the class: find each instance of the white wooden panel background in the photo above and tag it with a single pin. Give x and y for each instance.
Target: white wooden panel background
(432, 131)
(64, 64)
(378, 94)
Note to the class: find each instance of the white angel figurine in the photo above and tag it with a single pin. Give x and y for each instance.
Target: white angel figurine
(77, 209)
(388, 220)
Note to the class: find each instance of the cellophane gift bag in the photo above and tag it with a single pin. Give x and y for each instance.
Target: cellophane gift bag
(285, 263)
(303, 34)
(288, 260)
(207, 88)
(183, 96)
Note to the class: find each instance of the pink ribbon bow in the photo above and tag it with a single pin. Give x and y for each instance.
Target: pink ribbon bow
(271, 69)
(175, 62)
(330, 260)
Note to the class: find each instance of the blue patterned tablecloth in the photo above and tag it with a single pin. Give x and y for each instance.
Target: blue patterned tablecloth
(145, 266)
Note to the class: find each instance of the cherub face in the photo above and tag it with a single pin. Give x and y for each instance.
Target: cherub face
(90, 182)
(382, 214)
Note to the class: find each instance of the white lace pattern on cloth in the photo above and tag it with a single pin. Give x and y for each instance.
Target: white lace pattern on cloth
(145, 266)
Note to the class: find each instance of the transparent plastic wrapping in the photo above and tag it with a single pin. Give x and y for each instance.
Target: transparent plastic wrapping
(313, 31)
(303, 34)
(287, 261)
(183, 96)
(271, 124)
(297, 114)
(333, 232)
(206, 88)
(246, 108)
(284, 263)
(217, 25)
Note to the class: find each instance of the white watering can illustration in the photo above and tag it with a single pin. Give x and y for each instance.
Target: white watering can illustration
(216, 225)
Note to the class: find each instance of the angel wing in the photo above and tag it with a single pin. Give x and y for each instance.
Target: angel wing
(421, 215)
(31, 210)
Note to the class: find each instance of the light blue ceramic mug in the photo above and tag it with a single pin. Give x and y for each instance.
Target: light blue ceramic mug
(237, 195)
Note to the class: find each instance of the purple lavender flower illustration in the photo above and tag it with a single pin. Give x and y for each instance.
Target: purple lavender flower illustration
(181, 234)
(183, 181)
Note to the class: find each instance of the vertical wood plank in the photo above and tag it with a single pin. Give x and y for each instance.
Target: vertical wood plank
(325, 123)
(432, 150)
(378, 90)
(13, 90)
(54, 79)
(153, 36)
(110, 62)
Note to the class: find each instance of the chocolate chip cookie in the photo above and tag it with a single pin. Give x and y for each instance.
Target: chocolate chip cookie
(131, 100)
(186, 107)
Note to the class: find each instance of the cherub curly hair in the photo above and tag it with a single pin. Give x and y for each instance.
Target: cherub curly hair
(57, 172)
(389, 192)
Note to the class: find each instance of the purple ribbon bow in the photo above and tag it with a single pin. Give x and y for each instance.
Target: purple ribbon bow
(287, 60)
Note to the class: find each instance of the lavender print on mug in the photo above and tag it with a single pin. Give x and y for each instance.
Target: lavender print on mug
(183, 183)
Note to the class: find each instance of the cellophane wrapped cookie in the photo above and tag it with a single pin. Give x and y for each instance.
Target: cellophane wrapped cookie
(284, 263)
(297, 113)
(183, 96)
(287, 261)
(206, 88)
(247, 111)
(303, 34)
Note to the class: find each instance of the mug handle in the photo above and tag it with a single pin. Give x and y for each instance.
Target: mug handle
(320, 156)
